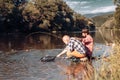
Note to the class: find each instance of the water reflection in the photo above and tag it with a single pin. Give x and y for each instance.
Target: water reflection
(77, 71)
(41, 41)
(27, 65)
(106, 36)
(20, 42)
(14, 42)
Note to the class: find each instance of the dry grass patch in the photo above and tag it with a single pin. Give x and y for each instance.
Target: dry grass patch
(111, 69)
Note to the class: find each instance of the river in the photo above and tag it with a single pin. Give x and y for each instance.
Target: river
(20, 56)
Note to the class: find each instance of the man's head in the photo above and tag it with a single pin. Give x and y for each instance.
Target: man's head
(85, 32)
(66, 39)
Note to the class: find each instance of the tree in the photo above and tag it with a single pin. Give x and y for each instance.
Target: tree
(117, 2)
(38, 15)
(117, 13)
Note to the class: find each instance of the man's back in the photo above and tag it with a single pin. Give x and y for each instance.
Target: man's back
(75, 44)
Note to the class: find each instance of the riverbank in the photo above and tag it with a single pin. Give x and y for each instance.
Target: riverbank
(111, 70)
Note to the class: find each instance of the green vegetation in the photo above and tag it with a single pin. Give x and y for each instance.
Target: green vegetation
(6, 7)
(40, 15)
(117, 13)
(9, 16)
(117, 17)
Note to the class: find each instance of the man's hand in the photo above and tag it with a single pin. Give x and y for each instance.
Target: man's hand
(58, 55)
(63, 52)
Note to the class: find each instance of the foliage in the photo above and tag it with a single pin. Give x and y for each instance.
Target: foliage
(39, 15)
(6, 7)
(111, 71)
(117, 17)
(116, 14)
(117, 2)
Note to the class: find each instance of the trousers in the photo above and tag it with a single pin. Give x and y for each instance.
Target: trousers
(75, 54)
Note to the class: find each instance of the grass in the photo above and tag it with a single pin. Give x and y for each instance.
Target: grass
(111, 70)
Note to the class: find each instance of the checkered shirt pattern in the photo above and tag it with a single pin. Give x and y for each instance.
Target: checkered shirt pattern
(75, 44)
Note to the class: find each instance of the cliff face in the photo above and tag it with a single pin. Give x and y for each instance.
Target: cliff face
(39, 15)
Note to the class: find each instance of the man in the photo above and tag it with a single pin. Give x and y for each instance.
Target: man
(87, 40)
(74, 48)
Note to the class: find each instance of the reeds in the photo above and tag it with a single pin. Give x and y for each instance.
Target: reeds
(110, 70)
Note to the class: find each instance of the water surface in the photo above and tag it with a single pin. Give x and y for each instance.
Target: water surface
(20, 57)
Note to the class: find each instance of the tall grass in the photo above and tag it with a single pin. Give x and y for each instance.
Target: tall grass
(110, 70)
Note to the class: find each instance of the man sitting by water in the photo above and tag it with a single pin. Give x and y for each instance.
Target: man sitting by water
(88, 42)
(74, 48)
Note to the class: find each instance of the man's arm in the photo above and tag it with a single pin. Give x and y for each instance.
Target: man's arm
(63, 52)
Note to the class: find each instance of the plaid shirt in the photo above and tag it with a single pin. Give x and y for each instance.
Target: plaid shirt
(75, 44)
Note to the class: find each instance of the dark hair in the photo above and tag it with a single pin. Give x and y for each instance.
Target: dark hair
(85, 31)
